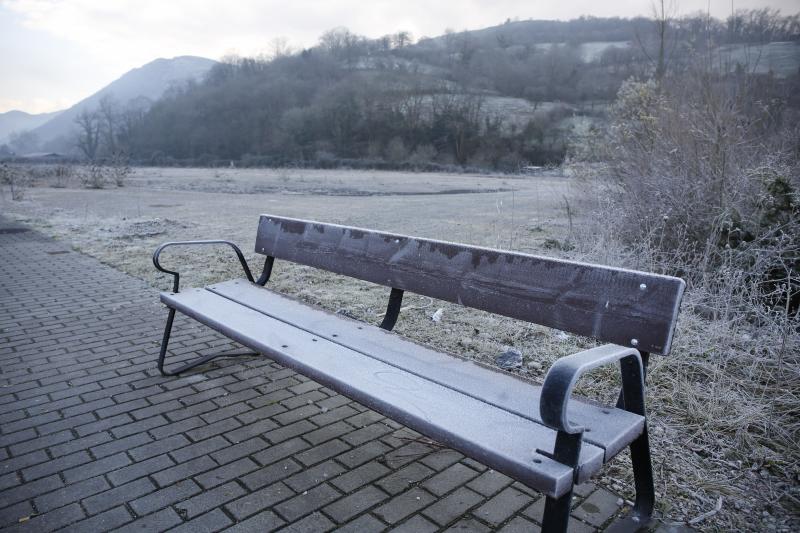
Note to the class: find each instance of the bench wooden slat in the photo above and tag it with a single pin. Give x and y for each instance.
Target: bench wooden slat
(609, 428)
(624, 307)
(495, 437)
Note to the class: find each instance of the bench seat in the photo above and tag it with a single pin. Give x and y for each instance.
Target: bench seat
(487, 414)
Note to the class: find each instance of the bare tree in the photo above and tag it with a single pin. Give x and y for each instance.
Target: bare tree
(663, 13)
(403, 38)
(108, 117)
(279, 47)
(88, 133)
(22, 142)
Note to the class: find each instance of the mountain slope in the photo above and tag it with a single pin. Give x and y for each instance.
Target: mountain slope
(149, 81)
(17, 121)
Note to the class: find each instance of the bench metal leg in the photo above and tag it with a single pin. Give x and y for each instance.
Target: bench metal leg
(556, 514)
(197, 362)
(632, 399)
(567, 451)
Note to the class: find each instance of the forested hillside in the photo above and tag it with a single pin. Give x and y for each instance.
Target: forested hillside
(503, 97)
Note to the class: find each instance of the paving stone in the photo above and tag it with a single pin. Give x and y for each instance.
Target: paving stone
(309, 397)
(404, 478)
(404, 505)
(40, 443)
(536, 511)
(14, 513)
(217, 428)
(119, 445)
(210, 499)
(328, 432)
(152, 449)
(30, 489)
(354, 504)
(237, 451)
(310, 524)
(363, 453)
(598, 508)
(264, 521)
(138, 426)
(441, 459)
(195, 450)
(207, 523)
(55, 465)
(287, 432)
(71, 493)
(270, 474)
(9, 480)
(23, 461)
(452, 506)
(473, 464)
(49, 521)
(161, 521)
(175, 428)
(468, 525)
(260, 499)
(258, 429)
(226, 473)
(502, 506)
(106, 521)
(313, 476)
(306, 502)
(165, 497)
(490, 482)
(137, 470)
(184, 470)
(408, 453)
(118, 495)
(366, 473)
(277, 452)
(366, 434)
(95, 468)
(520, 525)
(449, 478)
(296, 414)
(415, 524)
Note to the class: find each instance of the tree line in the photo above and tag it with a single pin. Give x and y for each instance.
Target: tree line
(398, 101)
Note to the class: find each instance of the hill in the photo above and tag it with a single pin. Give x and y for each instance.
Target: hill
(503, 97)
(19, 121)
(144, 84)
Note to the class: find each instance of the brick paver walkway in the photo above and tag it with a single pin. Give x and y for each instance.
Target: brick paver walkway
(93, 439)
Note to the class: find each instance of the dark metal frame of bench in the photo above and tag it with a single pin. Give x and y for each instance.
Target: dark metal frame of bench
(605, 303)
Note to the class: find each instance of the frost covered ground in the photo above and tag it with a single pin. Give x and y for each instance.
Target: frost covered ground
(699, 466)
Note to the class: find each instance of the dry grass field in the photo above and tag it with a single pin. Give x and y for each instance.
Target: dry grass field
(726, 457)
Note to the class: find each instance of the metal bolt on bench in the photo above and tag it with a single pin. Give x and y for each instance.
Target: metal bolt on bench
(541, 436)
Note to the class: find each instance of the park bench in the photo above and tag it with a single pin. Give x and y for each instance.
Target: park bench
(538, 435)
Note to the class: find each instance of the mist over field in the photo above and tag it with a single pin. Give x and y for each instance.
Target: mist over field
(667, 143)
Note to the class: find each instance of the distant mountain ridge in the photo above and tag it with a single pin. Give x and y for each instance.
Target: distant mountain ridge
(149, 81)
(17, 121)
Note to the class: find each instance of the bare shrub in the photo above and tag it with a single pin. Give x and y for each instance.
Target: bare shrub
(18, 180)
(61, 176)
(702, 181)
(708, 179)
(93, 176)
(396, 150)
(119, 169)
(97, 175)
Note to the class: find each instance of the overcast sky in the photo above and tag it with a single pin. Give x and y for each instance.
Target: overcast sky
(54, 53)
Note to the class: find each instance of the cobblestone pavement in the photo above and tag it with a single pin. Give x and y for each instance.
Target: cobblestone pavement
(93, 439)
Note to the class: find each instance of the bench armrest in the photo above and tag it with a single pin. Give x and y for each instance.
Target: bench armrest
(565, 372)
(176, 276)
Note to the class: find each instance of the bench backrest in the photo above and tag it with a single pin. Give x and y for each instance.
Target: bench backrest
(615, 305)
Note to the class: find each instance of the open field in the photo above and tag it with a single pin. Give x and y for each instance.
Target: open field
(699, 464)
